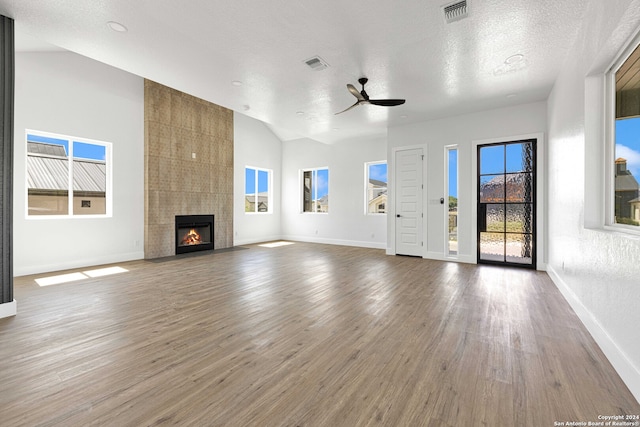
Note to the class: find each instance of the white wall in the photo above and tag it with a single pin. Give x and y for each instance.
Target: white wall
(346, 222)
(499, 124)
(255, 145)
(70, 94)
(597, 270)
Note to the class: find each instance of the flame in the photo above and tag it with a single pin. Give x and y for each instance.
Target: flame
(192, 238)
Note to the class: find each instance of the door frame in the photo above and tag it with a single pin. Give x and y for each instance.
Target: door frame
(541, 201)
(391, 212)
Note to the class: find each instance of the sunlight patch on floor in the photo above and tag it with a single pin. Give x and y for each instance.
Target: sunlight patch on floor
(73, 277)
(105, 271)
(275, 244)
(62, 278)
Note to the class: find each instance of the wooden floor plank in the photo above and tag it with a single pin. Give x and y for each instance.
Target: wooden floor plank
(302, 335)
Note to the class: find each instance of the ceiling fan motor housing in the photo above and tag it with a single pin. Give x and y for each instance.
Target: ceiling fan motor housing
(363, 81)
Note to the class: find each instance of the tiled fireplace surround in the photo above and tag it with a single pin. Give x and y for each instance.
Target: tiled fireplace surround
(188, 166)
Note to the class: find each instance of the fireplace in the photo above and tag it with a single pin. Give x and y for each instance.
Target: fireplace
(194, 233)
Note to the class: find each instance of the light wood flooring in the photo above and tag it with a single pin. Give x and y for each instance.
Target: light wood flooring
(302, 335)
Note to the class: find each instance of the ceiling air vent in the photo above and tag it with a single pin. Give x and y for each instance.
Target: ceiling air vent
(316, 63)
(455, 11)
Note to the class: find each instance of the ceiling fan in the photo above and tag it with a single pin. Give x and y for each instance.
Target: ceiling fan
(363, 98)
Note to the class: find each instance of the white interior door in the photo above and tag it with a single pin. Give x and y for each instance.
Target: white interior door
(408, 201)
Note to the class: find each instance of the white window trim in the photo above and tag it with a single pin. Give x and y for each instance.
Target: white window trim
(269, 189)
(366, 187)
(447, 150)
(109, 176)
(301, 190)
(610, 140)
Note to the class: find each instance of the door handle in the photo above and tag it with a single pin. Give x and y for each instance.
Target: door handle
(398, 215)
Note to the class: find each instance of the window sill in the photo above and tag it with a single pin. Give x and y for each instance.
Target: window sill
(618, 231)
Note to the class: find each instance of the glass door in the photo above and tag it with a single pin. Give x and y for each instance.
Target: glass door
(507, 204)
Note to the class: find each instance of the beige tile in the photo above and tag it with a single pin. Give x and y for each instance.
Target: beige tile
(206, 122)
(194, 204)
(199, 113)
(215, 155)
(226, 179)
(226, 153)
(186, 175)
(157, 241)
(227, 209)
(228, 202)
(152, 174)
(166, 208)
(214, 205)
(207, 177)
(204, 155)
(157, 102)
(220, 235)
(152, 207)
(205, 204)
(167, 240)
(196, 177)
(227, 238)
(159, 139)
(176, 110)
(164, 174)
(180, 143)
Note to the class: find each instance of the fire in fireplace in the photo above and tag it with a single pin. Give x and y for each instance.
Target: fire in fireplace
(191, 238)
(194, 233)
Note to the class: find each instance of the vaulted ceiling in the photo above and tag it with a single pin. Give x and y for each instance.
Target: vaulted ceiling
(249, 56)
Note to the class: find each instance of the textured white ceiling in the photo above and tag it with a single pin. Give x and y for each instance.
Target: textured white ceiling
(405, 49)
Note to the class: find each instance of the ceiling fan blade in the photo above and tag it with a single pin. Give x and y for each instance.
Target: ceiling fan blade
(355, 92)
(387, 102)
(353, 106)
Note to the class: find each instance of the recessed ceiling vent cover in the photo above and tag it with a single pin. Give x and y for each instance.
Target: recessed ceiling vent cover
(455, 11)
(316, 63)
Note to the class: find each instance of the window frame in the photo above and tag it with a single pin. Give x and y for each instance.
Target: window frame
(367, 165)
(314, 186)
(610, 138)
(108, 146)
(269, 189)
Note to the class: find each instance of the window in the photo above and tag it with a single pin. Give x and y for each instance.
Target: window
(376, 187)
(257, 190)
(67, 176)
(625, 83)
(452, 192)
(315, 190)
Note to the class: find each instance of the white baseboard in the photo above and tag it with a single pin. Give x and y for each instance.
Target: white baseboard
(78, 263)
(621, 363)
(8, 309)
(240, 242)
(339, 242)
